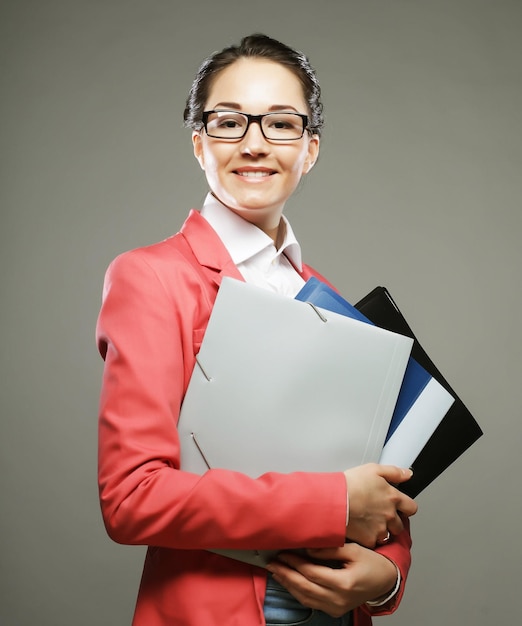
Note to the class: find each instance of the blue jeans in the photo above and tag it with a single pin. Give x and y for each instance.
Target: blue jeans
(281, 608)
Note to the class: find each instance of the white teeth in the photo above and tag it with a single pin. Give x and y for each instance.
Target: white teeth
(254, 174)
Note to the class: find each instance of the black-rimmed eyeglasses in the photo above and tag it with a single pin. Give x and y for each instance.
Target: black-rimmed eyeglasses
(274, 126)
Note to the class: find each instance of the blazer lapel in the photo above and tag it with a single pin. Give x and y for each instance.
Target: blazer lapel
(208, 249)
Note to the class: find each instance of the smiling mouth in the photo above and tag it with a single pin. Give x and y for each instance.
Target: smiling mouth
(254, 173)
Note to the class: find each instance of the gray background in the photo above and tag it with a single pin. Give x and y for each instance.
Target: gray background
(418, 187)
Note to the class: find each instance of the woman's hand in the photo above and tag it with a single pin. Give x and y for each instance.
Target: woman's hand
(374, 503)
(363, 575)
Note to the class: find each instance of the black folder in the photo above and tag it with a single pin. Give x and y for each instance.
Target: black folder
(457, 431)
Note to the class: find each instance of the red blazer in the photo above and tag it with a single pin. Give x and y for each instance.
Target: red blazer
(156, 305)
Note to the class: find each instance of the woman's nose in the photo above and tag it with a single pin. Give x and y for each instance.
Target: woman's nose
(254, 141)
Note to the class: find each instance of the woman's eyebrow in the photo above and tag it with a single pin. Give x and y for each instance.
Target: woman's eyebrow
(228, 105)
(236, 106)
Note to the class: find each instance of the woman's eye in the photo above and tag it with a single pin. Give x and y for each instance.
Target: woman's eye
(229, 123)
(284, 122)
(281, 124)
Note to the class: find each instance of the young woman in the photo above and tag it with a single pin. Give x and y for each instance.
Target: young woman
(256, 119)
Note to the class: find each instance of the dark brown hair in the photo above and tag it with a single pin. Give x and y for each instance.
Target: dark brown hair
(255, 46)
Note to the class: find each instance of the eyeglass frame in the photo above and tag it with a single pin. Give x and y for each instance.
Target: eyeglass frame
(258, 119)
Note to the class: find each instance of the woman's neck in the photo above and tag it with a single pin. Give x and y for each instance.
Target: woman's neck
(277, 234)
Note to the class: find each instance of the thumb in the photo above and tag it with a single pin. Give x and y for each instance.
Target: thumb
(394, 474)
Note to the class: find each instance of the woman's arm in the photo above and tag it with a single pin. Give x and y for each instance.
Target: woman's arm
(154, 312)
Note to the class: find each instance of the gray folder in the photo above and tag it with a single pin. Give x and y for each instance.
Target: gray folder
(283, 386)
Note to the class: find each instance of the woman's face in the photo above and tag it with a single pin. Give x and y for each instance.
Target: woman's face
(252, 176)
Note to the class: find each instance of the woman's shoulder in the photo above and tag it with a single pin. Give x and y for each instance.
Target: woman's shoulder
(153, 256)
(150, 251)
(166, 250)
(185, 265)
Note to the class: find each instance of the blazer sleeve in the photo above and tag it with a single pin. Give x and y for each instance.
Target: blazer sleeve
(399, 552)
(153, 314)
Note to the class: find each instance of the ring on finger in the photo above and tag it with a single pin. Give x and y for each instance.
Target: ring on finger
(385, 539)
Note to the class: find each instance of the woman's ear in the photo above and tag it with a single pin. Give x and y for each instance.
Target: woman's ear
(197, 144)
(313, 153)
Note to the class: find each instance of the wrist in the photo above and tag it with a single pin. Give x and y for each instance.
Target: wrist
(382, 600)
